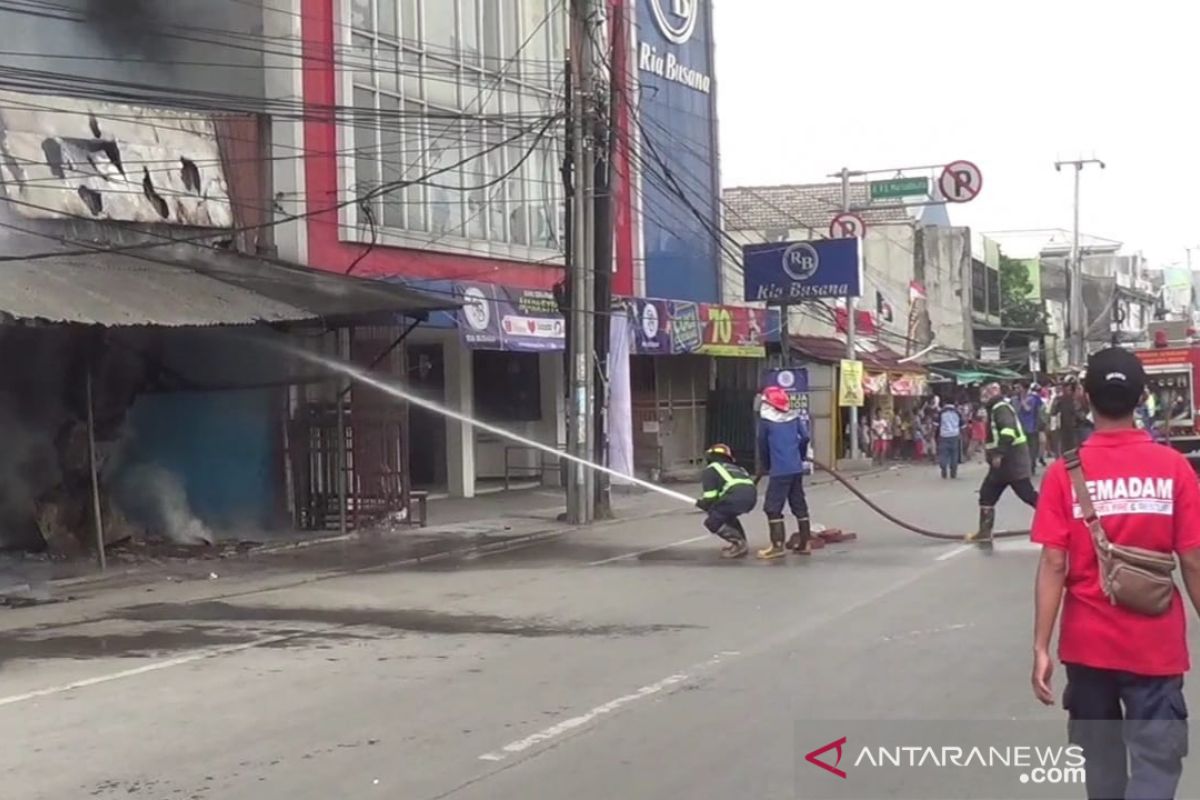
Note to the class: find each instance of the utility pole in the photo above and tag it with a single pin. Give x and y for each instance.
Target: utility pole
(851, 310)
(581, 264)
(1076, 314)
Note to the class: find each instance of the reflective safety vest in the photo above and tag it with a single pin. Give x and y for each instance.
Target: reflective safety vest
(1017, 433)
(728, 481)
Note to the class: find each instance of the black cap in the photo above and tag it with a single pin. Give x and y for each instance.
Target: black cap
(1114, 370)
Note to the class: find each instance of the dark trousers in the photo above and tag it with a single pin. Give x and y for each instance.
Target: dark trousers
(737, 501)
(1133, 731)
(1035, 448)
(996, 482)
(949, 451)
(789, 490)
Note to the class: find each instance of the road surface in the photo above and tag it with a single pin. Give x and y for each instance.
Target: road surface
(625, 661)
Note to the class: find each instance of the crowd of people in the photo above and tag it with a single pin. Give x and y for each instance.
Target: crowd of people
(949, 431)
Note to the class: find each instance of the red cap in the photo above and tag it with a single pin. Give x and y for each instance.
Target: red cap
(777, 398)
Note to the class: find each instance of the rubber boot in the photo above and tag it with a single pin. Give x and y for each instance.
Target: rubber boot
(987, 520)
(801, 541)
(778, 532)
(737, 546)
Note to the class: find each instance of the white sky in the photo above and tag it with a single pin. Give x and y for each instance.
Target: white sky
(805, 88)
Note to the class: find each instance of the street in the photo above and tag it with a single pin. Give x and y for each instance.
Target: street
(623, 661)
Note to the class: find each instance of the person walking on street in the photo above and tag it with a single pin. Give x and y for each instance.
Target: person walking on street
(1007, 454)
(1029, 410)
(881, 430)
(949, 448)
(1067, 409)
(783, 455)
(1125, 656)
(728, 492)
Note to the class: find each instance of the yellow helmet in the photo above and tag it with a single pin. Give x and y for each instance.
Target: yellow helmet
(719, 451)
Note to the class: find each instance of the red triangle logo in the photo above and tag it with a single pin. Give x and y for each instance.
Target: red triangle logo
(813, 759)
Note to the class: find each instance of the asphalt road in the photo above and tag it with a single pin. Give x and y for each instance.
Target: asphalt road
(626, 661)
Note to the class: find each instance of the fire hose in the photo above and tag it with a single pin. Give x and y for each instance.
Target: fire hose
(948, 537)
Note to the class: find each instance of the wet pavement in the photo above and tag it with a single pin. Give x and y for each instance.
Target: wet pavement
(626, 660)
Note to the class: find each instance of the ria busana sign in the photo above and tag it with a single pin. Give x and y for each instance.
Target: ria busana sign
(676, 21)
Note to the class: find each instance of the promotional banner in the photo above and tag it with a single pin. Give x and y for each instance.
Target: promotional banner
(652, 326)
(733, 331)
(791, 272)
(503, 318)
(621, 334)
(687, 331)
(906, 385)
(850, 384)
(875, 383)
(794, 381)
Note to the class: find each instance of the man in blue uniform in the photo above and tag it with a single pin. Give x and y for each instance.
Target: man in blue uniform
(783, 450)
(728, 492)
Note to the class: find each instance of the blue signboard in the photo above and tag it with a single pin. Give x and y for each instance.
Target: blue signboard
(792, 272)
(794, 381)
(678, 157)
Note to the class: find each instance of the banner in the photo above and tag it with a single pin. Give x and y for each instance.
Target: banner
(794, 381)
(875, 383)
(652, 327)
(503, 318)
(850, 384)
(906, 385)
(687, 332)
(620, 402)
(733, 331)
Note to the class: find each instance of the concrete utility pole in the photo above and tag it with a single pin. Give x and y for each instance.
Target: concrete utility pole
(581, 262)
(851, 309)
(1076, 314)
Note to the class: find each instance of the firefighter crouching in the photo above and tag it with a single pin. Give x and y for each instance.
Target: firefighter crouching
(1009, 462)
(728, 492)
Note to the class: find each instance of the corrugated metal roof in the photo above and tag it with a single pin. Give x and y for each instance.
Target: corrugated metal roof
(808, 205)
(186, 286)
(880, 357)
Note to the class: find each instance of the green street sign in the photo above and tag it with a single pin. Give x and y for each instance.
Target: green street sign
(899, 187)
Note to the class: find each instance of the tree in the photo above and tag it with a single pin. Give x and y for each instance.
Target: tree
(1017, 308)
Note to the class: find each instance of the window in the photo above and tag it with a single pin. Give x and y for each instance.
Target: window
(508, 386)
(460, 88)
(993, 292)
(978, 287)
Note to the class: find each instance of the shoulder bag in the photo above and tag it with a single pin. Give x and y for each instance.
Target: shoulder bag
(1134, 578)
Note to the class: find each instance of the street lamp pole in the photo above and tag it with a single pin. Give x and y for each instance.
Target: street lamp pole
(1076, 315)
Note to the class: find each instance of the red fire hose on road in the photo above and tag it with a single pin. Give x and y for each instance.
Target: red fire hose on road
(948, 537)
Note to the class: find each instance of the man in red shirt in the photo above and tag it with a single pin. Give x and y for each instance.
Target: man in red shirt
(1121, 665)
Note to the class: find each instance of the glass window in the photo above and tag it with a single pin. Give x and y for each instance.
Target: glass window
(392, 158)
(410, 24)
(388, 22)
(468, 23)
(425, 72)
(440, 25)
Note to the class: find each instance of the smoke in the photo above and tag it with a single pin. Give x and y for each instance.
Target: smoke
(154, 498)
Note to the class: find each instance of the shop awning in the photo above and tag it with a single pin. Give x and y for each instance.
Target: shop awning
(184, 285)
(875, 357)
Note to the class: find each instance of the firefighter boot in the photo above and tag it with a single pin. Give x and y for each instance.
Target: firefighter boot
(801, 541)
(778, 532)
(737, 546)
(987, 520)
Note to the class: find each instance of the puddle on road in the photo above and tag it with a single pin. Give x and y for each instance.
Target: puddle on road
(215, 624)
(400, 620)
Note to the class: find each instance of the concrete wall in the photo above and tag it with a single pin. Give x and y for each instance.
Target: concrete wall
(146, 42)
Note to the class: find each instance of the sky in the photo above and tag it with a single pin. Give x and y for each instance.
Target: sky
(805, 88)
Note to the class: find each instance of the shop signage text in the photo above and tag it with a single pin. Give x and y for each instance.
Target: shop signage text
(780, 273)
